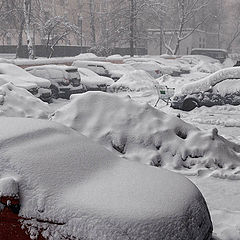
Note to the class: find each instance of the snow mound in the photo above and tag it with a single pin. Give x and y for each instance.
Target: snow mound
(115, 57)
(142, 133)
(18, 102)
(137, 80)
(86, 56)
(211, 80)
(8, 187)
(76, 189)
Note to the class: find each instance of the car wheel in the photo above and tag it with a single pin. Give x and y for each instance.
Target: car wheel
(55, 91)
(189, 104)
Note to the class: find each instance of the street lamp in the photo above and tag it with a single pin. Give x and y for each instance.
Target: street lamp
(80, 25)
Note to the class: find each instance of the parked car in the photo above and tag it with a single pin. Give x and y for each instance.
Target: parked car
(219, 88)
(39, 87)
(150, 67)
(93, 81)
(219, 54)
(106, 69)
(65, 80)
(57, 184)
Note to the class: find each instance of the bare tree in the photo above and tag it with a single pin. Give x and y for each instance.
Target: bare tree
(27, 15)
(181, 17)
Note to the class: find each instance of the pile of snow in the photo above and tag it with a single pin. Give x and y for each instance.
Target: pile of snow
(208, 82)
(142, 133)
(8, 187)
(18, 102)
(116, 57)
(55, 60)
(86, 56)
(77, 189)
(137, 80)
(91, 80)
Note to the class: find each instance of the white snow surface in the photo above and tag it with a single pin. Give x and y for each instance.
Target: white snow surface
(209, 81)
(89, 193)
(142, 133)
(92, 80)
(137, 80)
(18, 102)
(8, 187)
(19, 76)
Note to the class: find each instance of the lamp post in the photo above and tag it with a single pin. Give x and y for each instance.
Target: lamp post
(80, 24)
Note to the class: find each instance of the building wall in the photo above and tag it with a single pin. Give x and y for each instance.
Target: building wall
(199, 39)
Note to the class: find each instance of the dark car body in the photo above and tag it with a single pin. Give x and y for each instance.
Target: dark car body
(65, 80)
(219, 88)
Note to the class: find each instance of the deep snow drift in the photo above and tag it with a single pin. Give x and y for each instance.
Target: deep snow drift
(142, 133)
(18, 102)
(89, 193)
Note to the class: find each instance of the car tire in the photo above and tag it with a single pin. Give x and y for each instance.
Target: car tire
(190, 104)
(55, 91)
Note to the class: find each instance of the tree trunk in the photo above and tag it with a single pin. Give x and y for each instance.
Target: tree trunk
(92, 22)
(19, 50)
(27, 16)
(132, 21)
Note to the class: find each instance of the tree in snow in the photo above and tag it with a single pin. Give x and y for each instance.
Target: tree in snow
(183, 20)
(28, 16)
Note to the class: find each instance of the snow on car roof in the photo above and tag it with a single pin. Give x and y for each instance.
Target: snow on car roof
(92, 193)
(52, 66)
(206, 83)
(20, 77)
(134, 81)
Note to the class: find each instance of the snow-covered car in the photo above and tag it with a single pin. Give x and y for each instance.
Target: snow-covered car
(219, 88)
(106, 69)
(93, 81)
(39, 87)
(150, 67)
(65, 80)
(51, 188)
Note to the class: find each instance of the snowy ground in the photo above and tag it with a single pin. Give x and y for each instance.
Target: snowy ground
(222, 195)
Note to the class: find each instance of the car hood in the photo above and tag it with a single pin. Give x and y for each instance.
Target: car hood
(90, 192)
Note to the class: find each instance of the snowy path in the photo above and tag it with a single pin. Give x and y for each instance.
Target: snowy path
(223, 198)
